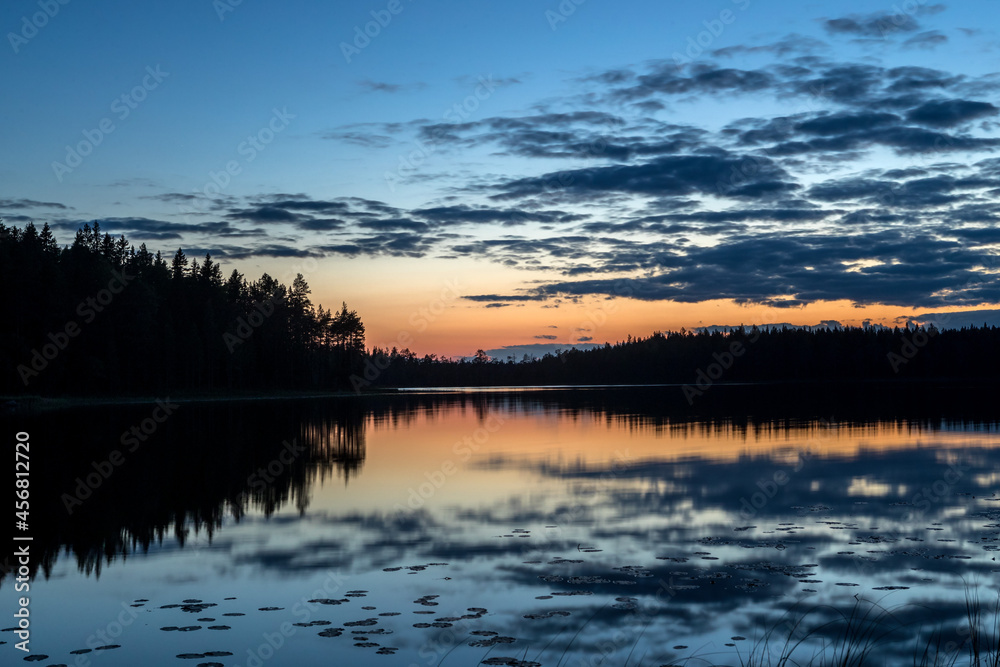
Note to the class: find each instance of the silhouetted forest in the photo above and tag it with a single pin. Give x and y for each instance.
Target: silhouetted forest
(700, 360)
(101, 316)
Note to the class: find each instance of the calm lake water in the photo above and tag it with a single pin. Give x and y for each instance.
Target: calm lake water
(600, 526)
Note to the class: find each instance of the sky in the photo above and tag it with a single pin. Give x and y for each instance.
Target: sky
(526, 176)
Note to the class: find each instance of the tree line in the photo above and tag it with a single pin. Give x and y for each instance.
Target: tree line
(102, 316)
(698, 360)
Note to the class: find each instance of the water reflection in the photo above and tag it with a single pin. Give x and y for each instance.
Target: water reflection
(203, 464)
(585, 525)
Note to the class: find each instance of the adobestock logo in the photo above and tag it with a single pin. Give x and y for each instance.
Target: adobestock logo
(30, 25)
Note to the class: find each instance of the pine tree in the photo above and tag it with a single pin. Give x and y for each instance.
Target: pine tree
(48, 240)
(179, 265)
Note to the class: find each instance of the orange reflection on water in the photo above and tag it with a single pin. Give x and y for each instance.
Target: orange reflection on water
(461, 452)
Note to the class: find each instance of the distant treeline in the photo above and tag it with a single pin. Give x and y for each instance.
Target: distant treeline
(101, 316)
(700, 360)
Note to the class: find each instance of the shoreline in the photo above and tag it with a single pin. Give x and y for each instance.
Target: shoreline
(35, 404)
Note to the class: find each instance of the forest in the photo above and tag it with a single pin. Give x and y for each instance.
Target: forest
(101, 317)
(698, 360)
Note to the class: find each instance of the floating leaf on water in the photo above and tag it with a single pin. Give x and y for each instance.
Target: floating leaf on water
(331, 632)
(547, 614)
(492, 641)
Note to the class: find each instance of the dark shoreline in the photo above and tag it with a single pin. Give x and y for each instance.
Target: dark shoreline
(36, 404)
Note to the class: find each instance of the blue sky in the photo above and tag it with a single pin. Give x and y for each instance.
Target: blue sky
(432, 150)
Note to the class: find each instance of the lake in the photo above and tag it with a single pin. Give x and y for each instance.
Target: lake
(617, 526)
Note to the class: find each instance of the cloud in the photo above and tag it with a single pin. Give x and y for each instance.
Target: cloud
(498, 297)
(926, 40)
(395, 223)
(459, 214)
(157, 229)
(892, 267)
(16, 204)
(547, 337)
(609, 194)
(380, 86)
(263, 214)
(879, 24)
(535, 350)
(674, 175)
(959, 319)
(948, 113)
(790, 44)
